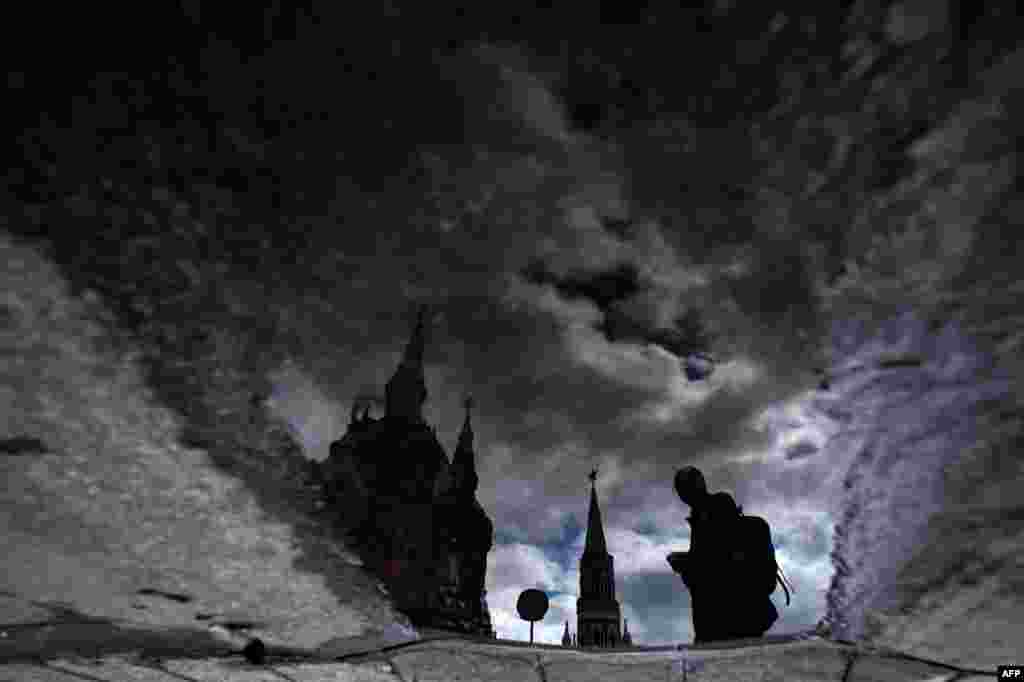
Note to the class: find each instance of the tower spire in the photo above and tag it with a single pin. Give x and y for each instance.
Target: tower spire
(413, 356)
(407, 389)
(566, 639)
(466, 479)
(466, 436)
(595, 543)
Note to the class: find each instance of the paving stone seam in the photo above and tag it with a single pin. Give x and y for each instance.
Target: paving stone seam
(499, 658)
(71, 673)
(851, 659)
(284, 676)
(180, 676)
(542, 672)
(397, 647)
(938, 664)
(160, 667)
(503, 658)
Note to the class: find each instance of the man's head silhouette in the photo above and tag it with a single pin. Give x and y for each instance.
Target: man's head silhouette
(691, 486)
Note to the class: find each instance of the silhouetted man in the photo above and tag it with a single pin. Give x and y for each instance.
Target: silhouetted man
(730, 569)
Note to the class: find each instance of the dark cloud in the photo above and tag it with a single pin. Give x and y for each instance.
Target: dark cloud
(527, 381)
(602, 288)
(619, 227)
(778, 287)
(687, 335)
(612, 291)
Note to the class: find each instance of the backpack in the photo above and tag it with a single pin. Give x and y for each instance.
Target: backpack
(756, 539)
(760, 569)
(742, 584)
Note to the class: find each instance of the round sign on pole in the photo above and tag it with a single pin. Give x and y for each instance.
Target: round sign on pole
(532, 605)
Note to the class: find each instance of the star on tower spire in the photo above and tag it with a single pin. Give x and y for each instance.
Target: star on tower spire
(595, 543)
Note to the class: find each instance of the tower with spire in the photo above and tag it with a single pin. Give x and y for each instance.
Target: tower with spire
(410, 510)
(597, 611)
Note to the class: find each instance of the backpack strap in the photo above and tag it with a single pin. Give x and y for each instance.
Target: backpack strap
(780, 576)
(782, 580)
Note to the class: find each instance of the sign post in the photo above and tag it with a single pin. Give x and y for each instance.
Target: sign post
(532, 605)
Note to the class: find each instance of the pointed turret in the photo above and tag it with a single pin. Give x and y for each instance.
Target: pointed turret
(597, 611)
(413, 355)
(626, 637)
(595, 543)
(407, 389)
(464, 466)
(466, 435)
(566, 639)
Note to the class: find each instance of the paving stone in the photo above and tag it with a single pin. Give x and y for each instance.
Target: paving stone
(572, 665)
(596, 669)
(452, 662)
(816, 661)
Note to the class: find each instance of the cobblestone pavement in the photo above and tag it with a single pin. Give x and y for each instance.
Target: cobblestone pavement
(794, 659)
